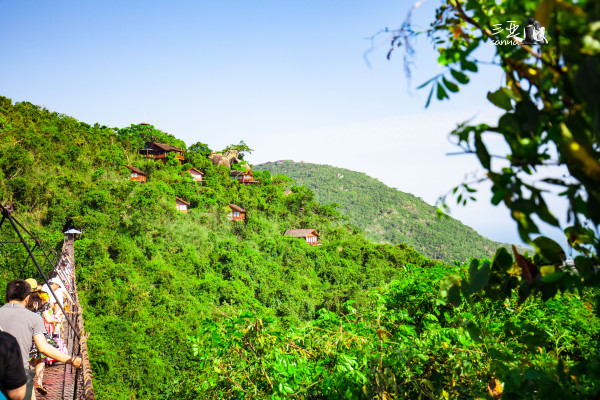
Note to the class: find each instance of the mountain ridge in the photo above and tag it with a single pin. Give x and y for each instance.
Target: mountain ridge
(386, 214)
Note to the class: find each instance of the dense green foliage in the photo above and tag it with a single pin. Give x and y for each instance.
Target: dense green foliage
(149, 274)
(408, 342)
(550, 124)
(189, 306)
(387, 215)
(192, 305)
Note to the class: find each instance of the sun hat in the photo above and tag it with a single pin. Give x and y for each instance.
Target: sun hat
(34, 285)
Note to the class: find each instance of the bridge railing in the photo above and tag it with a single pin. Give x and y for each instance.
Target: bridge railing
(64, 265)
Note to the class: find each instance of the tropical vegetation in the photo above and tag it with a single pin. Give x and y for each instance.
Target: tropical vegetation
(385, 214)
(193, 305)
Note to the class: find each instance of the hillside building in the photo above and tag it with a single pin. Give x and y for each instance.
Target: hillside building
(159, 151)
(181, 205)
(136, 174)
(244, 177)
(197, 175)
(310, 235)
(237, 213)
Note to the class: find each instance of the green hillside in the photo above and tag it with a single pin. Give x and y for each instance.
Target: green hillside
(385, 214)
(195, 306)
(148, 273)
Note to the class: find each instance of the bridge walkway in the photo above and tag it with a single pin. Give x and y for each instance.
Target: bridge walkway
(61, 381)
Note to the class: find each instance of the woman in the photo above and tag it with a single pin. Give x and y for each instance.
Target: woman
(539, 33)
(36, 358)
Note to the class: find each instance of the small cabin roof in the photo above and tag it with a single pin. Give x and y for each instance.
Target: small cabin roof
(177, 199)
(72, 231)
(134, 169)
(235, 172)
(300, 232)
(194, 169)
(286, 192)
(236, 208)
(165, 147)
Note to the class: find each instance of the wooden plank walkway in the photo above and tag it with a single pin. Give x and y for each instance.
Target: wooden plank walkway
(59, 378)
(64, 381)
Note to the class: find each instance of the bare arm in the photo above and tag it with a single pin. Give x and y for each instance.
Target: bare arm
(44, 347)
(50, 318)
(17, 394)
(66, 292)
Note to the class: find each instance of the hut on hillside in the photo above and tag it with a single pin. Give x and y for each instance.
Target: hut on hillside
(287, 192)
(310, 235)
(136, 174)
(244, 177)
(197, 175)
(237, 213)
(181, 205)
(159, 151)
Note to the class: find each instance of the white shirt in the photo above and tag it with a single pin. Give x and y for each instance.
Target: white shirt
(59, 294)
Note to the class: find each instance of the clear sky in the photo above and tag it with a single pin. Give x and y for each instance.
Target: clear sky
(287, 77)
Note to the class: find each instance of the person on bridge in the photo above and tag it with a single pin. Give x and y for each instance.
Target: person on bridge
(12, 373)
(61, 291)
(25, 325)
(36, 304)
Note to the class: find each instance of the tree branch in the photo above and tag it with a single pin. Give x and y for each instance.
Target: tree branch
(456, 5)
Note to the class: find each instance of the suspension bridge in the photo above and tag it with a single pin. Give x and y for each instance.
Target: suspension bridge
(61, 381)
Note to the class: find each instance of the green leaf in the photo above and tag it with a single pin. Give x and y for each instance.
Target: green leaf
(439, 213)
(480, 278)
(546, 216)
(499, 193)
(473, 329)
(550, 250)
(441, 92)
(451, 86)
(482, 153)
(502, 259)
(501, 99)
(454, 295)
(468, 65)
(473, 266)
(429, 97)
(553, 277)
(459, 76)
(288, 389)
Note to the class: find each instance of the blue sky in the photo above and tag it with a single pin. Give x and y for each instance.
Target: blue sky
(288, 78)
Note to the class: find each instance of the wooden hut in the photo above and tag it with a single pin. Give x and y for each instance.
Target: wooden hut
(197, 175)
(244, 177)
(181, 205)
(137, 175)
(237, 213)
(159, 151)
(287, 192)
(310, 235)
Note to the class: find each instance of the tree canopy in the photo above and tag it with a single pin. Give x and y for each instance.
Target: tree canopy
(210, 308)
(241, 147)
(551, 118)
(141, 135)
(385, 214)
